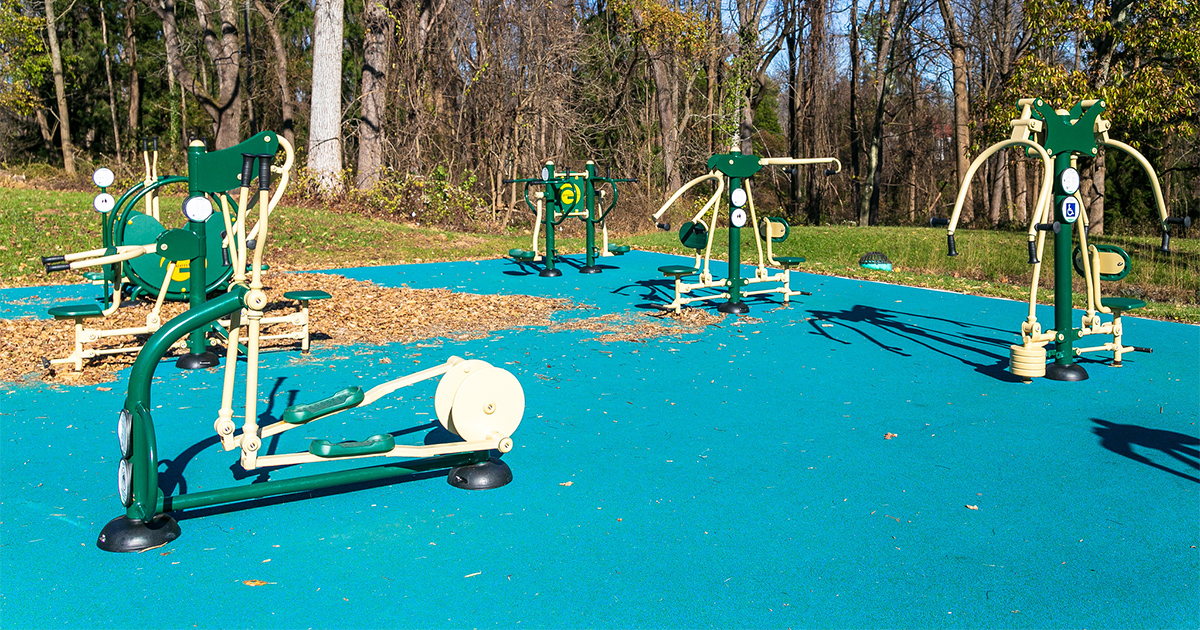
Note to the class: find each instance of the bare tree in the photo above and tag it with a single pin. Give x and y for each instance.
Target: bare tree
(60, 91)
(377, 52)
(325, 114)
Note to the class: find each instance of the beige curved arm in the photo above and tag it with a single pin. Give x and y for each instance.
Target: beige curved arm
(787, 161)
(1043, 195)
(1158, 196)
(679, 193)
(125, 252)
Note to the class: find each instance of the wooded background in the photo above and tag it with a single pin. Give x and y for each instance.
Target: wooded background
(418, 109)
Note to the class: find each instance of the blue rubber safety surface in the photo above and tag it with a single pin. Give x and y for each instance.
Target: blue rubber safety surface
(739, 477)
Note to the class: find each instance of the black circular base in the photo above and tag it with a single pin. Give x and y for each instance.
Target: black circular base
(591, 269)
(482, 476)
(123, 534)
(550, 273)
(734, 308)
(1073, 372)
(200, 361)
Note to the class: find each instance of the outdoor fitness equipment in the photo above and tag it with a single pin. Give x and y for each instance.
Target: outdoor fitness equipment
(481, 404)
(733, 171)
(114, 213)
(569, 195)
(1058, 138)
(130, 264)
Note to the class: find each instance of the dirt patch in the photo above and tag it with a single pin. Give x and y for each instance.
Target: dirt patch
(640, 327)
(358, 312)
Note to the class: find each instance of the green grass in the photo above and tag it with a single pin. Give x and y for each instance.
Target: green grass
(36, 223)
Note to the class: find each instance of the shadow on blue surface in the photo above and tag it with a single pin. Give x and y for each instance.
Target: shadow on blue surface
(957, 346)
(1121, 438)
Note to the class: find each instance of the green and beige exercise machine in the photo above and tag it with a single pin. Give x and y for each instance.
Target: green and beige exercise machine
(113, 213)
(569, 195)
(732, 173)
(479, 403)
(131, 268)
(1059, 138)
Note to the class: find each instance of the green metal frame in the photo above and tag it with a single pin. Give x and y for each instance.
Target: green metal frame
(556, 204)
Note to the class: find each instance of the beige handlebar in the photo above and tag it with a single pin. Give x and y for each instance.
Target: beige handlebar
(1158, 196)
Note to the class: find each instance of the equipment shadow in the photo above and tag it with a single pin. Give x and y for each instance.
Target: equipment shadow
(858, 317)
(660, 292)
(1121, 438)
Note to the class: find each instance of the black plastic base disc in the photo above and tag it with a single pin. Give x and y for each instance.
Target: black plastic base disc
(734, 308)
(482, 476)
(1073, 372)
(123, 534)
(591, 269)
(200, 361)
(550, 273)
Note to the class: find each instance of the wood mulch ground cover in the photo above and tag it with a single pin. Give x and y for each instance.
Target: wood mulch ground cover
(358, 313)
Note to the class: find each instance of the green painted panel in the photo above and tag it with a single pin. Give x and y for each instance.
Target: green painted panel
(735, 164)
(220, 171)
(149, 271)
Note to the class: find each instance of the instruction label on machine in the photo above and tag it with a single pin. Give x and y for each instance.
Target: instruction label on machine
(1069, 209)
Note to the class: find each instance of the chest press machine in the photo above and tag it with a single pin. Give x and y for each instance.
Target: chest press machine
(733, 172)
(1059, 138)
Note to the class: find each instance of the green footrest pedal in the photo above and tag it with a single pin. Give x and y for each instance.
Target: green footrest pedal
(677, 270)
(521, 254)
(345, 399)
(71, 311)
(789, 261)
(618, 249)
(1122, 304)
(371, 446)
(304, 296)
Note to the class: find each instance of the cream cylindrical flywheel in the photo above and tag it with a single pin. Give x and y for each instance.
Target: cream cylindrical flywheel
(124, 433)
(443, 397)
(124, 487)
(488, 405)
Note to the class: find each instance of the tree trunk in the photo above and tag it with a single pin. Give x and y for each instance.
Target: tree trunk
(60, 91)
(225, 109)
(281, 74)
(325, 117)
(868, 211)
(135, 80)
(1021, 198)
(999, 174)
(377, 51)
(1094, 197)
(112, 99)
(793, 104)
(855, 127)
(962, 132)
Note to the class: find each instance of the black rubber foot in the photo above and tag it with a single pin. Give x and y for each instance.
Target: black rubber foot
(734, 308)
(1073, 372)
(198, 361)
(550, 273)
(123, 534)
(591, 269)
(482, 476)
